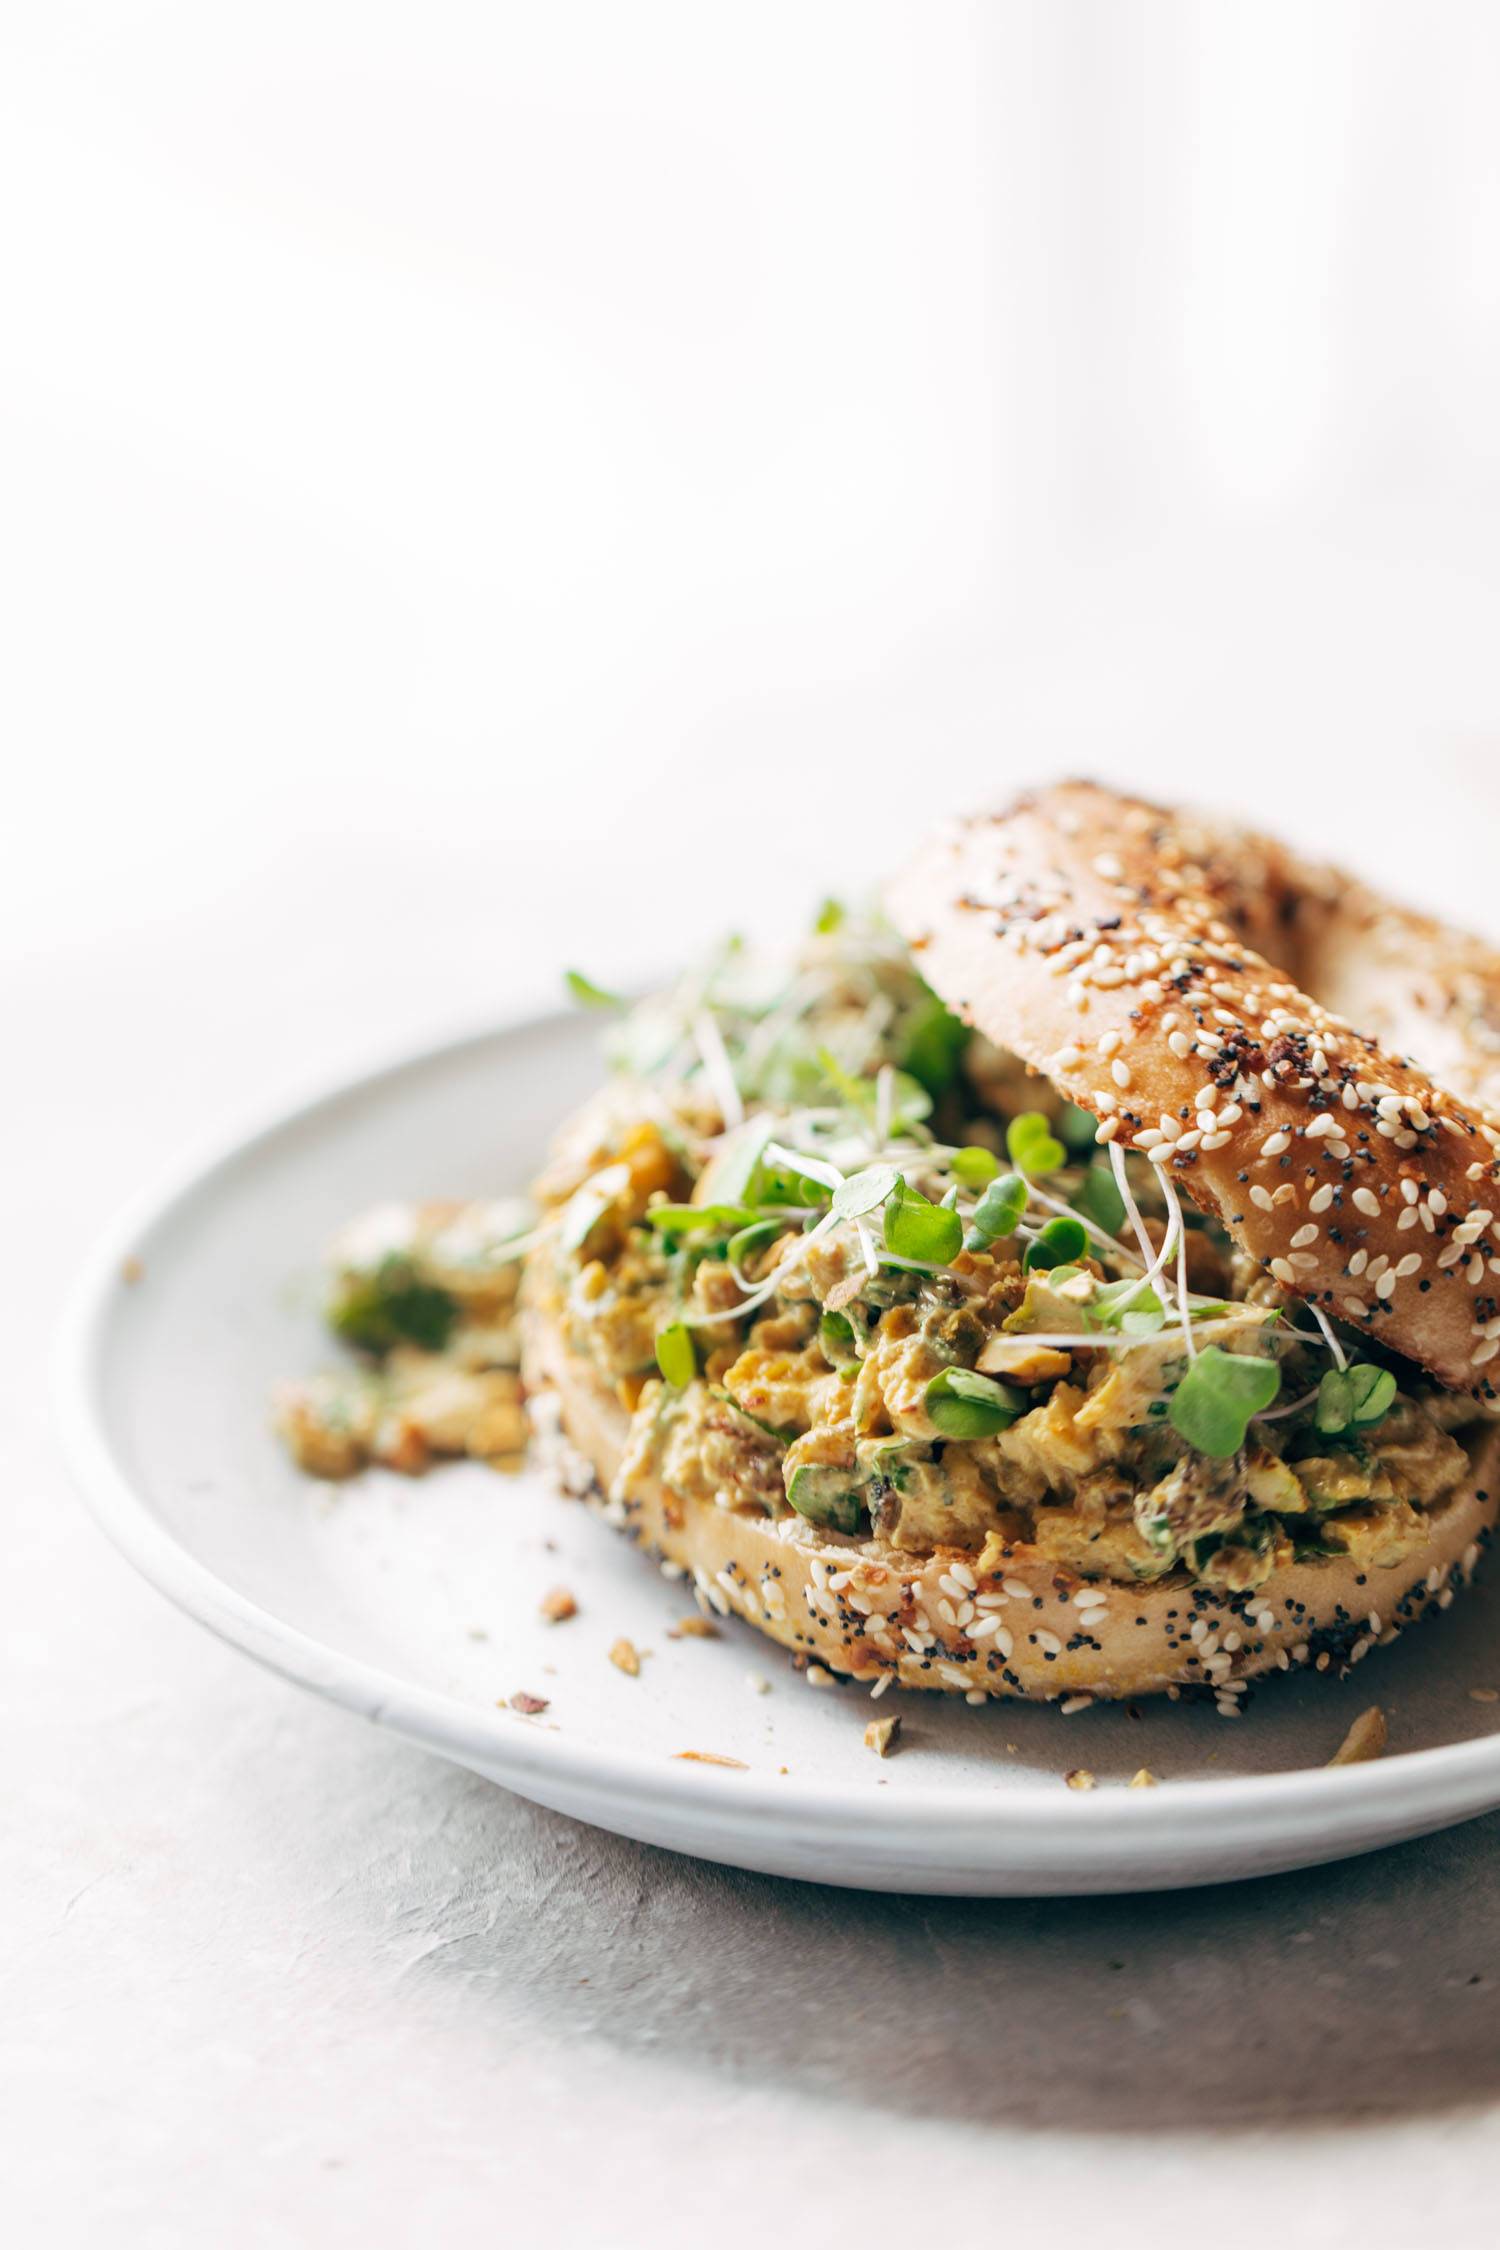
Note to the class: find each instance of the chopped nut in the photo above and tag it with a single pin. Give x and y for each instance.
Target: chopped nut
(625, 1657)
(131, 1272)
(558, 1604)
(1079, 1777)
(1145, 1779)
(1021, 1361)
(713, 1758)
(530, 1704)
(1365, 1739)
(693, 1629)
(882, 1735)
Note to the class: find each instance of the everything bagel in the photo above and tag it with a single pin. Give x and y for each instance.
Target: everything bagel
(1192, 989)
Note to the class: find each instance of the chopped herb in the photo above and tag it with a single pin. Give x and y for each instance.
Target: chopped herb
(915, 1228)
(1031, 1145)
(376, 1311)
(961, 1404)
(675, 1355)
(836, 1336)
(830, 916)
(824, 1496)
(1213, 1404)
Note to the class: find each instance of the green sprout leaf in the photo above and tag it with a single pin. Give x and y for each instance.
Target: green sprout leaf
(1353, 1398)
(1031, 1145)
(910, 1102)
(675, 1355)
(688, 1218)
(836, 1336)
(915, 1228)
(1077, 1129)
(1125, 1305)
(831, 916)
(589, 995)
(998, 1211)
(973, 1167)
(935, 1039)
(1212, 1405)
(1061, 1243)
(1099, 1199)
(961, 1404)
(865, 1191)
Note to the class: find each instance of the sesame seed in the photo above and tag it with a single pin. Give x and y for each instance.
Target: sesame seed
(1120, 1073)
(1365, 1200)
(1275, 1144)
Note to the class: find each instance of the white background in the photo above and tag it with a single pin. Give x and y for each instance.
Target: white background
(444, 451)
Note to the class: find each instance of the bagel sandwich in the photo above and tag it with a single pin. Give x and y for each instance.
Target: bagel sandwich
(1053, 1295)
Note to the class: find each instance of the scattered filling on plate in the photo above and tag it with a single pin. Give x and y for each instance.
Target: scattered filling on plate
(424, 1296)
(840, 1259)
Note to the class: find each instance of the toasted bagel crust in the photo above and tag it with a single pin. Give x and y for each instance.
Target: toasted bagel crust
(1156, 970)
(1024, 1628)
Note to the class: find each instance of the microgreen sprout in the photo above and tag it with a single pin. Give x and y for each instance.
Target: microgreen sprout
(1214, 1403)
(1353, 1398)
(973, 1167)
(915, 1228)
(1060, 1243)
(1031, 1145)
(690, 1218)
(865, 1191)
(590, 995)
(998, 1211)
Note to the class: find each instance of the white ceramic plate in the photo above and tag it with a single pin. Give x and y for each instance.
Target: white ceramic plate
(417, 1603)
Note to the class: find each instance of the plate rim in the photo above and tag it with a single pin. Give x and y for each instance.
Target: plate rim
(1093, 1829)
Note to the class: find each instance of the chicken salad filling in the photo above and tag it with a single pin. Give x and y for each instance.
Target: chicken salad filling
(840, 1260)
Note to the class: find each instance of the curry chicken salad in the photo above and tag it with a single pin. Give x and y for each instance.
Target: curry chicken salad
(822, 1267)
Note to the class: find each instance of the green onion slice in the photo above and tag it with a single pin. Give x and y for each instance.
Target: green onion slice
(675, 1355)
(961, 1404)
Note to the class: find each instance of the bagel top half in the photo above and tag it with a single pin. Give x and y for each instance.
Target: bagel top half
(1196, 989)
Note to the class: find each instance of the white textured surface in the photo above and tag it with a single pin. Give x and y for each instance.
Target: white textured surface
(271, 1976)
(436, 439)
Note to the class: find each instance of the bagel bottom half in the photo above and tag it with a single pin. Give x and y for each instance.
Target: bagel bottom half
(1015, 1624)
